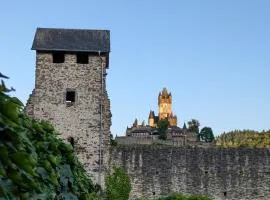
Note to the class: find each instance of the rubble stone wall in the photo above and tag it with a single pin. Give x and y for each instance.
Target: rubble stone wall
(220, 173)
(81, 120)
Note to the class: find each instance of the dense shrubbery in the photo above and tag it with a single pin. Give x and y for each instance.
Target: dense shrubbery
(244, 138)
(34, 163)
(118, 185)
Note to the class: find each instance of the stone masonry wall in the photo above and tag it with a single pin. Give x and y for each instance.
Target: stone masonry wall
(82, 120)
(232, 174)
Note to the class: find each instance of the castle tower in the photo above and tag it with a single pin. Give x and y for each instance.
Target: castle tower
(164, 104)
(70, 90)
(165, 107)
(151, 119)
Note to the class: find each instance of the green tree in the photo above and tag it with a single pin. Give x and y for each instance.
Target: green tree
(206, 134)
(244, 138)
(112, 141)
(193, 126)
(118, 185)
(162, 126)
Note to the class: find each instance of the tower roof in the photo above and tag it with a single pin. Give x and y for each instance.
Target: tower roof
(78, 40)
(164, 93)
(151, 114)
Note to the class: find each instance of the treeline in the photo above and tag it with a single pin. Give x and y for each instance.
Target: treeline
(244, 138)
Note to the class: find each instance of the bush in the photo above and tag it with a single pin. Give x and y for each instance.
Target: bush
(118, 185)
(34, 162)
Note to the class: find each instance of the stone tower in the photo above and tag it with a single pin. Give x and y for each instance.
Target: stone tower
(165, 107)
(151, 119)
(70, 91)
(164, 104)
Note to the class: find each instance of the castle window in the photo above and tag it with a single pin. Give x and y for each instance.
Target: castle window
(82, 58)
(58, 57)
(70, 97)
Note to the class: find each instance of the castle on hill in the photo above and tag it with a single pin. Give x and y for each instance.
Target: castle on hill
(165, 110)
(147, 133)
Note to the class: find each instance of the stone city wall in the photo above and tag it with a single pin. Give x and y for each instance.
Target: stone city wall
(220, 173)
(147, 141)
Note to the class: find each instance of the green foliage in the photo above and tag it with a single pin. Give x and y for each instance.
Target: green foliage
(206, 134)
(118, 185)
(34, 163)
(193, 126)
(162, 126)
(112, 141)
(244, 138)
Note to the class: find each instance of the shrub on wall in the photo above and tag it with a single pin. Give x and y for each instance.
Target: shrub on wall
(118, 185)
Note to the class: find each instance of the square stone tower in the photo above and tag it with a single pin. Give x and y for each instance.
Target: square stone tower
(70, 91)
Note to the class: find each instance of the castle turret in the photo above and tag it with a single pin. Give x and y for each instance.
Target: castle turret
(135, 124)
(151, 119)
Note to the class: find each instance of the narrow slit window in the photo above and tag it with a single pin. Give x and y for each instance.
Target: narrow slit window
(58, 57)
(70, 97)
(82, 58)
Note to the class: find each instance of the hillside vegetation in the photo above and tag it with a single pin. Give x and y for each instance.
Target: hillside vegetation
(244, 138)
(34, 163)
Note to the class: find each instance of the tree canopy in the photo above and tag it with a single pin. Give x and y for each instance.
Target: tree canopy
(244, 138)
(193, 126)
(206, 134)
(162, 126)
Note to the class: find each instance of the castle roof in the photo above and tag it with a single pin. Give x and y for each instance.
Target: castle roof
(151, 114)
(78, 40)
(164, 93)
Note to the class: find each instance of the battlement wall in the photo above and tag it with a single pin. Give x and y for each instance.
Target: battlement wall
(219, 173)
(153, 140)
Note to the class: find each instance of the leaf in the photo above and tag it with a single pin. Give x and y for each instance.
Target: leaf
(24, 161)
(3, 76)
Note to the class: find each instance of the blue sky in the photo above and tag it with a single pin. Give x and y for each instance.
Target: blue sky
(212, 55)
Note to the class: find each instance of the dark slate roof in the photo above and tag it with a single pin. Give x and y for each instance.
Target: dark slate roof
(79, 40)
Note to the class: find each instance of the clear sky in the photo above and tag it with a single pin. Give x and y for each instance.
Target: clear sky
(213, 55)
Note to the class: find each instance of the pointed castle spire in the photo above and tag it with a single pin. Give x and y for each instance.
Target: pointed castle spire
(135, 124)
(185, 126)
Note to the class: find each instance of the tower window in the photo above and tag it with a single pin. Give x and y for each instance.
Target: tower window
(58, 57)
(70, 97)
(82, 58)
